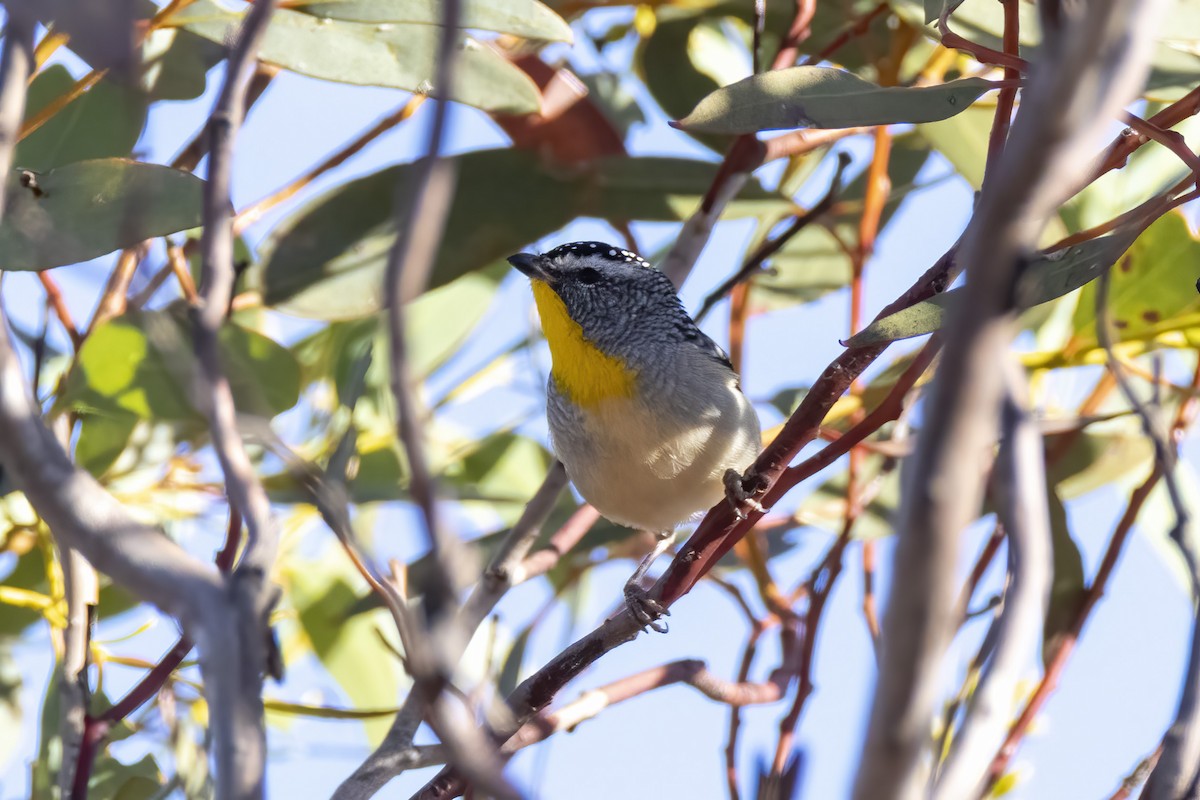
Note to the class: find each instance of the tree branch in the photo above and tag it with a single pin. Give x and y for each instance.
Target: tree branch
(1020, 491)
(236, 708)
(1096, 65)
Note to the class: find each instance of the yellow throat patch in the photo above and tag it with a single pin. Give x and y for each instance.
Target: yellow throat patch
(581, 371)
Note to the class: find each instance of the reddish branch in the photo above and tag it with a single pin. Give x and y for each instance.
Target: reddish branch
(852, 31)
(1007, 96)
(1172, 140)
(1012, 63)
(692, 672)
(1120, 150)
(59, 304)
(820, 585)
(735, 713)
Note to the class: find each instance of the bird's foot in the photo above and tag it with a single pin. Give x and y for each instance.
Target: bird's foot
(646, 610)
(741, 490)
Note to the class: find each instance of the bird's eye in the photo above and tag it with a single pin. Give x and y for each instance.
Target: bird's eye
(589, 275)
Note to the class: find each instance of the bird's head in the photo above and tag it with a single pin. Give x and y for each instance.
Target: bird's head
(604, 309)
(611, 293)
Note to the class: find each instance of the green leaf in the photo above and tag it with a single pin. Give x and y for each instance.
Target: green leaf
(176, 64)
(503, 466)
(510, 672)
(1153, 283)
(823, 97)
(679, 64)
(138, 781)
(324, 593)
(1067, 587)
(1173, 73)
(826, 506)
(101, 440)
(330, 257)
(28, 572)
(963, 140)
(104, 122)
(1049, 276)
(142, 364)
(330, 353)
(527, 18)
(1105, 454)
(90, 208)
(400, 56)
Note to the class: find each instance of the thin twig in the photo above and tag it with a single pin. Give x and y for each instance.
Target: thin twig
(113, 300)
(735, 714)
(771, 246)
(1172, 140)
(55, 297)
(855, 29)
(1128, 142)
(420, 221)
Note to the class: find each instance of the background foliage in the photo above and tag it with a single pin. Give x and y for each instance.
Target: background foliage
(572, 86)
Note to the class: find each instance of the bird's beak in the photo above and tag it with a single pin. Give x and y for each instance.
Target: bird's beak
(531, 265)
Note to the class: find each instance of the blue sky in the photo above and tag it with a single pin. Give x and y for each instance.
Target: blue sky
(1119, 691)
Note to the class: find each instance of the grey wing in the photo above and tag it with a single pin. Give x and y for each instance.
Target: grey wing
(707, 346)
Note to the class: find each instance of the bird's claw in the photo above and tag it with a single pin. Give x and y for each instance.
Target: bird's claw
(741, 490)
(646, 610)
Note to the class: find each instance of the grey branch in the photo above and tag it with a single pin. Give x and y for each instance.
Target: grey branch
(1020, 491)
(396, 753)
(432, 653)
(1093, 66)
(233, 663)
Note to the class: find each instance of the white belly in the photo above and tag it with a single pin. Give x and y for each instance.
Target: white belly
(652, 468)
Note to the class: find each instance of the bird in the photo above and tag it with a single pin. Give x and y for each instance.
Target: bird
(645, 411)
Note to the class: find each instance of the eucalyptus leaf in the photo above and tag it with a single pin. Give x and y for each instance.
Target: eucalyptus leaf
(963, 141)
(1067, 586)
(1049, 276)
(324, 593)
(140, 780)
(823, 97)
(142, 364)
(175, 63)
(105, 122)
(328, 260)
(399, 56)
(87, 209)
(527, 18)
(102, 439)
(1153, 283)
(826, 506)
